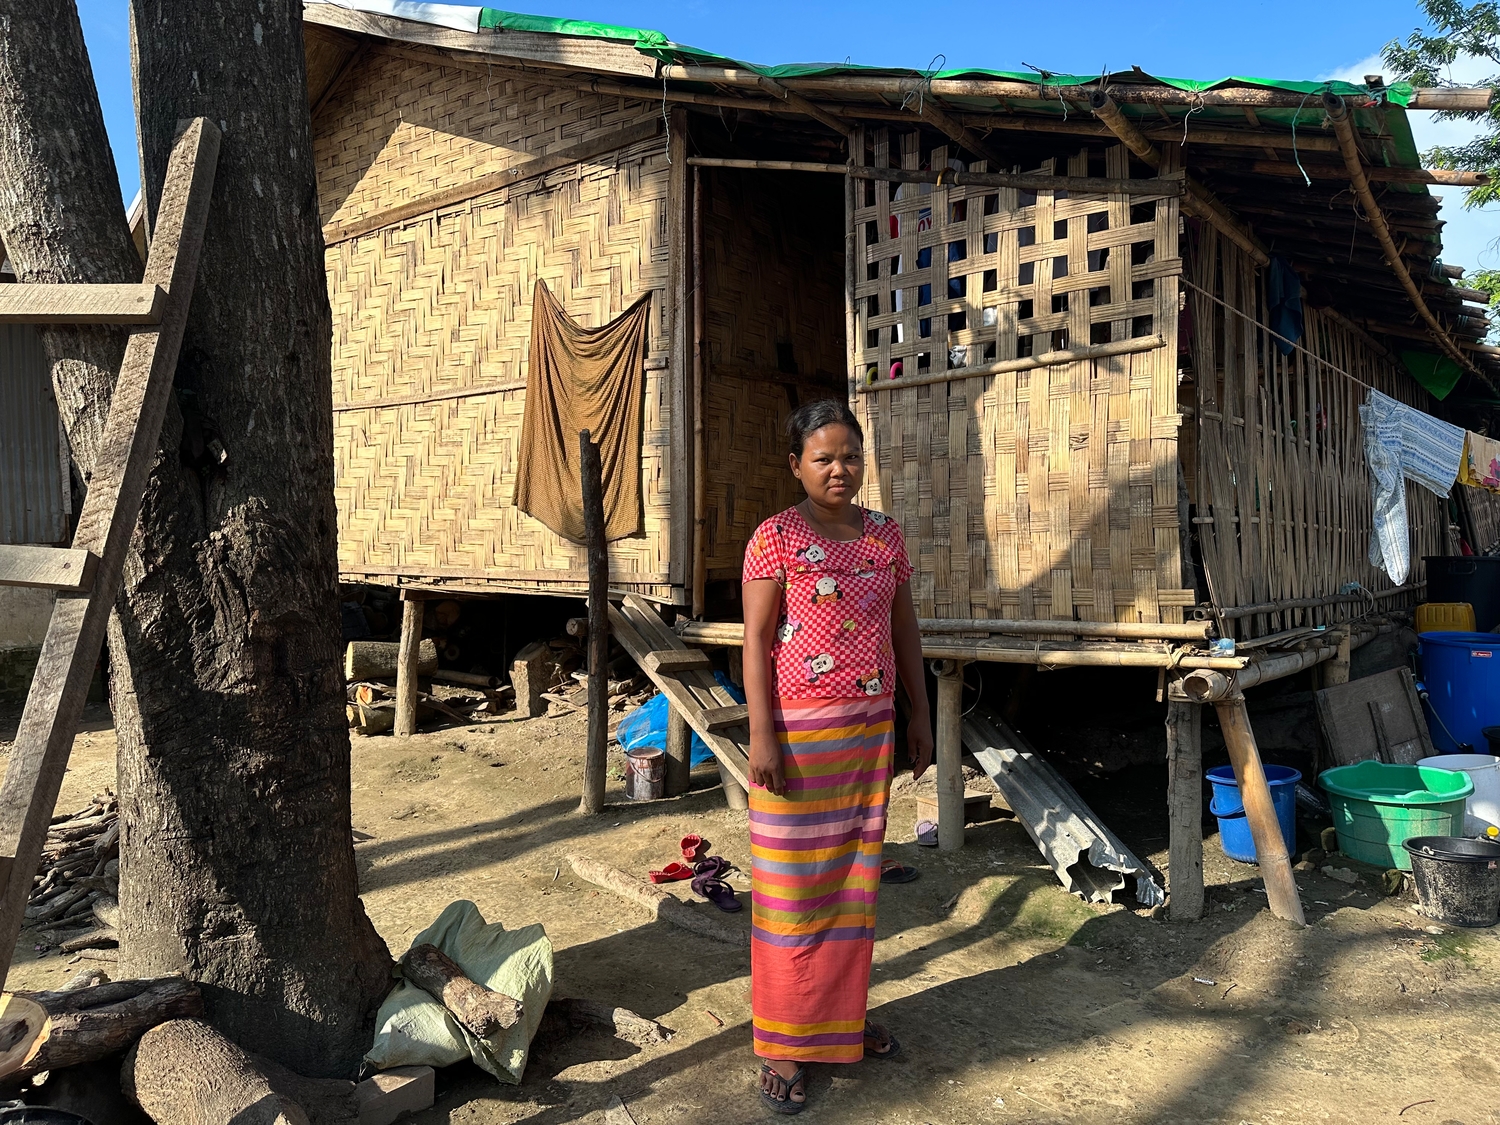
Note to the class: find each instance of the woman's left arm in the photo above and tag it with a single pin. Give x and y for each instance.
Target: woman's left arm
(906, 640)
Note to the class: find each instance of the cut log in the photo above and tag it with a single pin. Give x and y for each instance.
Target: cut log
(468, 679)
(660, 904)
(102, 938)
(481, 1010)
(621, 1022)
(186, 1073)
(48, 1030)
(374, 660)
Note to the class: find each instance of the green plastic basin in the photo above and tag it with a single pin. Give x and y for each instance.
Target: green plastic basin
(1378, 807)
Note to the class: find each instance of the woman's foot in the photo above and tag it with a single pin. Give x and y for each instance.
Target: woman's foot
(880, 1043)
(782, 1085)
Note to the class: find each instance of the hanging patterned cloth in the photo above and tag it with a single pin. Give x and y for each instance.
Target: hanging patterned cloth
(582, 379)
(1481, 463)
(1402, 443)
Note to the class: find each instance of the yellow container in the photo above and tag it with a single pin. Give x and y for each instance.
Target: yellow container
(1445, 617)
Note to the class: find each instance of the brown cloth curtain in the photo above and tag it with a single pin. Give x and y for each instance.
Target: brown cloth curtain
(582, 379)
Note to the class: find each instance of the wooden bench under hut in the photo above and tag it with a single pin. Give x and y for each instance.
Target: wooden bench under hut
(1107, 337)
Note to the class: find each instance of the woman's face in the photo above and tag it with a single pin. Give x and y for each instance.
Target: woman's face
(832, 465)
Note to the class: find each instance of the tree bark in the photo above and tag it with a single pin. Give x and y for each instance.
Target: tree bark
(237, 867)
(186, 1073)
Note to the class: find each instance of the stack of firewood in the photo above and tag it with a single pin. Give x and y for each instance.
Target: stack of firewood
(625, 695)
(78, 882)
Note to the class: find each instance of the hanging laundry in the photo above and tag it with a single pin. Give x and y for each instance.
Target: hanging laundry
(1284, 298)
(1403, 442)
(1481, 462)
(582, 379)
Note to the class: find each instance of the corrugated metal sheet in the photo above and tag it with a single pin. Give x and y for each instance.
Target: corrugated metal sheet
(33, 496)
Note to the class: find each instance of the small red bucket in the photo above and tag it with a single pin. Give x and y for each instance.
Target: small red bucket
(645, 773)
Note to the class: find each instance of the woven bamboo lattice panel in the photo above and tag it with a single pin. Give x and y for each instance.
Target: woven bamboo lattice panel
(1041, 493)
(773, 290)
(432, 319)
(1484, 513)
(1280, 484)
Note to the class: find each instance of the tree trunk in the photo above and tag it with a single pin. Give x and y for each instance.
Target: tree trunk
(237, 866)
(481, 1010)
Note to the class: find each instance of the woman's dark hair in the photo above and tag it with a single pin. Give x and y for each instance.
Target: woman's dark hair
(813, 416)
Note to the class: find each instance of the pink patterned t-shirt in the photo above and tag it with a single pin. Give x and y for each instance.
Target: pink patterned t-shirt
(833, 638)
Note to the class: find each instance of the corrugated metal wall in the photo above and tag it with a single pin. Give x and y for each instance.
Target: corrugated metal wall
(33, 491)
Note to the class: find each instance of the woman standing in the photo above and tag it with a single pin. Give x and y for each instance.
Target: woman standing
(829, 624)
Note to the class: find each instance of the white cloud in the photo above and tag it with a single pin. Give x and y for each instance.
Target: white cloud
(1471, 238)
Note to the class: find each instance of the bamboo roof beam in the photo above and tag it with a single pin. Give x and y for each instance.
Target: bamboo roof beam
(956, 131)
(803, 105)
(1446, 98)
(1343, 128)
(1198, 201)
(1448, 177)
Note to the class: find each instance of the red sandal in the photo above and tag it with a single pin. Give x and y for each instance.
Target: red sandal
(694, 848)
(673, 872)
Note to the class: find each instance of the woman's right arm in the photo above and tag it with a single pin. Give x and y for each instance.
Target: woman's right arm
(761, 599)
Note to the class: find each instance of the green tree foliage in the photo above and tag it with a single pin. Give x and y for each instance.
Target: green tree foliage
(1457, 30)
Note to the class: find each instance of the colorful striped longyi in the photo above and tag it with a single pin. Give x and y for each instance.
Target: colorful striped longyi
(815, 877)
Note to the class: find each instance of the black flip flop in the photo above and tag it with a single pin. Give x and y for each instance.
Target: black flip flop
(717, 892)
(889, 1053)
(894, 871)
(784, 1105)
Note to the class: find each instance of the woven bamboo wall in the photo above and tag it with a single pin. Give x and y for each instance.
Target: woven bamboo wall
(1484, 512)
(432, 316)
(1043, 493)
(1281, 487)
(773, 265)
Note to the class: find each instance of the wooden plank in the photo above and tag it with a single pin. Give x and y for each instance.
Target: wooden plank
(730, 751)
(1185, 810)
(564, 52)
(1374, 718)
(722, 718)
(47, 568)
(28, 303)
(407, 660)
(493, 181)
(676, 660)
(127, 451)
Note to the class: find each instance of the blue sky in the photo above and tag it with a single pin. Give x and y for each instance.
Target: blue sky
(1270, 38)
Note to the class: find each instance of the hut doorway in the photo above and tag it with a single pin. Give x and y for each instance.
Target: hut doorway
(772, 257)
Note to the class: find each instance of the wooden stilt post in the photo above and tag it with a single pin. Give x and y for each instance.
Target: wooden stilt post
(1185, 810)
(595, 756)
(679, 754)
(407, 659)
(1336, 671)
(735, 795)
(1270, 847)
(950, 750)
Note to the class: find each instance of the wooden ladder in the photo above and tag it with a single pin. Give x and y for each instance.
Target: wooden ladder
(87, 575)
(685, 676)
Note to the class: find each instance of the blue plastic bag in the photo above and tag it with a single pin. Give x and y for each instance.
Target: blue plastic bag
(647, 724)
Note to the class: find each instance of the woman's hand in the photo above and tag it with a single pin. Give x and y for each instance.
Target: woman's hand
(766, 764)
(919, 744)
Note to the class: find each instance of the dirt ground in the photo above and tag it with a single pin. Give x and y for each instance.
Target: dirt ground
(1013, 1000)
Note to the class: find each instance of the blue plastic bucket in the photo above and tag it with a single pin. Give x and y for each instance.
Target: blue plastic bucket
(1462, 675)
(1234, 829)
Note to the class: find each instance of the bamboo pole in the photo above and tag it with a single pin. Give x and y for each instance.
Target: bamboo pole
(407, 659)
(1344, 129)
(733, 633)
(596, 752)
(1185, 810)
(1028, 363)
(950, 749)
(1448, 177)
(1260, 813)
(1315, 603)
(1198, 201)
(700, 467)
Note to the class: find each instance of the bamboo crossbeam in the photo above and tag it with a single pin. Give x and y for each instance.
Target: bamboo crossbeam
(1317, 603)
(1344, 130)
(732, 633)
(1449, 98)
(1448, 177)
(803, 105)
(1027, 363)
(1025, 181)
(1199, 200)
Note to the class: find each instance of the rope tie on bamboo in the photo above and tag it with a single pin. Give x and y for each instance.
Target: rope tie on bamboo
(665, 117)
(1197, 105)
(1045, 76)
(1296, 117)
(922, 84)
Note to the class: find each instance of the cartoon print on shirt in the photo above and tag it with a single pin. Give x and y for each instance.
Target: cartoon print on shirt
(867, 570)
(869, 682)
(819, 665)
(877, 518)
(787, 630)
(850, 625)
(827, 590)
(813, 553)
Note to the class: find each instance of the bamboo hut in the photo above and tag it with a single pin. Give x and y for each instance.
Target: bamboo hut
(1050, 299)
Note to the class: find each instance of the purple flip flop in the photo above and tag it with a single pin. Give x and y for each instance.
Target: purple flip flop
(717, 892)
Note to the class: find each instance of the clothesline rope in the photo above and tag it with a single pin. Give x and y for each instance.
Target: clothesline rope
(1272, 332)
